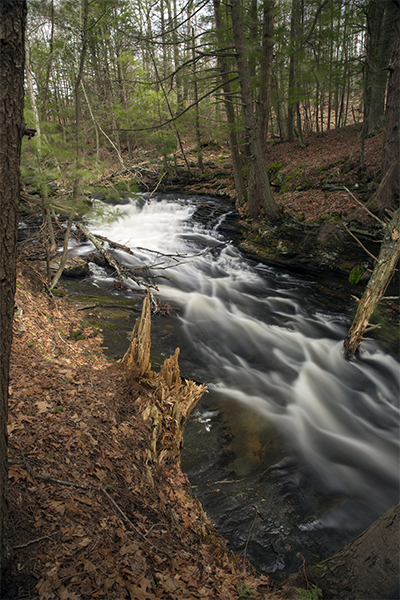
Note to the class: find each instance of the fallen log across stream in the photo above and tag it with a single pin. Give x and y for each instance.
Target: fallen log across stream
(121, 271)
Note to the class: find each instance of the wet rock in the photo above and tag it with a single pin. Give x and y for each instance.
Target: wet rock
(98, 259)
(74, 267)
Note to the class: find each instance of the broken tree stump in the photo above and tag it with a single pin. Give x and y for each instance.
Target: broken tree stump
(169, 402)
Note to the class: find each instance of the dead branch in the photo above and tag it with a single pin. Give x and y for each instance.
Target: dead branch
(158, 183)
(48, 478)
(36, 541)
(360, 243)
(115, 244)
(131, 525)
(363, 206)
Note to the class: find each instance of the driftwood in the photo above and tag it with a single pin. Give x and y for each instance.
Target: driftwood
(116, 266)
(167, 407)
(385, 267)
(99, 247)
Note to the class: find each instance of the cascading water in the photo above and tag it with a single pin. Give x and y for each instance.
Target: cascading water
(294, 450)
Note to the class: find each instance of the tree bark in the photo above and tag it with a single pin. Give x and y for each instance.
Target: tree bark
(389, 190)
(368, 567)
(266, 69)
(259, 192)
(230, 113)
(380, 17)
(12, 126)
(387, 262)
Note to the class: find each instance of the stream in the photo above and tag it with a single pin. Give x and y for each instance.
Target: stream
(293, 451)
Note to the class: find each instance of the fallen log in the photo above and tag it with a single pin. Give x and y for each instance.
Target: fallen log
(116, 266)
(385, 267)
(111, 261)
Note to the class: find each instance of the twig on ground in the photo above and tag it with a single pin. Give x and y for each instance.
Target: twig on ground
(37, 540)
(48, 478)
(251, 529)
(131, 525)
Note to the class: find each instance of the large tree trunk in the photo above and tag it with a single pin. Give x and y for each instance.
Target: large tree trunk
(12, 62)
(230, 113)
(380, 17)
(388, 259)
(388, 193)
(259, 192)
(367, 568)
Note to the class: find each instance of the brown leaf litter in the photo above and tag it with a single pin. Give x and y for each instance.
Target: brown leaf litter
(95, 511)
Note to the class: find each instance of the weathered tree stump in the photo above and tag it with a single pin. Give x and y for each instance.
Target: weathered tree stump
(168, 404)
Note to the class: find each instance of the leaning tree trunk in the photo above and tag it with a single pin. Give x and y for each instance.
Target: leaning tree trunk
(367, 568)
(385, 267)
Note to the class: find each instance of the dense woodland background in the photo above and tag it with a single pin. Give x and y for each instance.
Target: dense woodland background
(107, 80)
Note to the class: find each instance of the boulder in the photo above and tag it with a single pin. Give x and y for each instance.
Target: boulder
(74, 267)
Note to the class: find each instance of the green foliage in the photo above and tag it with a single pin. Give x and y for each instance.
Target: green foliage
(313, 593)
(355, 274)
(243, 590)
(102, 213)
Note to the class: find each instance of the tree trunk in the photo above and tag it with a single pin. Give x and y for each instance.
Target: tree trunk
(266, 69)
(389, 190)
(380, 17)
(293, 67)
(259, 192)
(196, 108)
(388, 259)
(230, 113)
(368, 567)
(12, 62)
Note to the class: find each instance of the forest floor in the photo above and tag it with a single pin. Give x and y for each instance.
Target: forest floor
(306, 182)
(87, 519)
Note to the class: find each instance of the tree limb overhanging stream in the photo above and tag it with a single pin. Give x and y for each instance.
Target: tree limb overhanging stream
(294, 451)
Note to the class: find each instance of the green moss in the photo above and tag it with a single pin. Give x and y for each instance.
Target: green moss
(288, 180)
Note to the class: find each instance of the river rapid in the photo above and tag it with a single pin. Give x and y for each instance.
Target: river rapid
(293, 451)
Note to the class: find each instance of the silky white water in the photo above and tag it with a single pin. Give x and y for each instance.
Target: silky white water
(264, 345)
